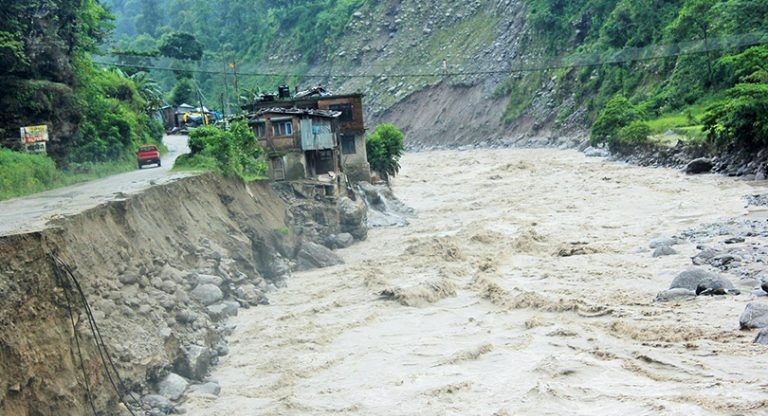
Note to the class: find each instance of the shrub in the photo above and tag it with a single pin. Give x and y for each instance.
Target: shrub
(617, 114)
(231, 152)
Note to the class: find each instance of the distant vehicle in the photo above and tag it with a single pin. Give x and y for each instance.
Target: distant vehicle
(148, 155)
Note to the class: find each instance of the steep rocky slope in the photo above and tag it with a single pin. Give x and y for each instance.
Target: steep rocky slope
(449, 60)
(161, 271)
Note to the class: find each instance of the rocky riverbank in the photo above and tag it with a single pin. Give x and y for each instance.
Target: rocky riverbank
(159, 273)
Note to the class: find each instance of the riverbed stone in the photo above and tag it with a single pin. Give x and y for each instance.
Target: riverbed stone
(158, 402)
(193, 362)
(664, 251)
(755, 315)
(209, 279)
(677, 294)
(314, 255)
(662, 242)
(699, 165)
(251, 295)
(209, 388)
(223, 310)
(762, 337)
(692, 278)
(172, 386)
(207, 294)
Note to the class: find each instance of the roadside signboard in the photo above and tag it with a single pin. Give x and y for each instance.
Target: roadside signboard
(34, 134)
(34, 137)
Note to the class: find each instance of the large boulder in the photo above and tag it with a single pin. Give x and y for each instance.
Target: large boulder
(352, 218)
(700, 165)
(207, 294)
(314, 255)
(755, 315)
(193, 362)
(693, 278)
(172, 386)
(762, 337)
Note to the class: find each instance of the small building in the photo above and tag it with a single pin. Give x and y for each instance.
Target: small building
(350, 126)
(300, 143)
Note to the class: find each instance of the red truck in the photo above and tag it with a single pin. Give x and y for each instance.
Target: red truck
(148, 155)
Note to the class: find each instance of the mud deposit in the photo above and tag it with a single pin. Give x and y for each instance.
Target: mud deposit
(525, 285)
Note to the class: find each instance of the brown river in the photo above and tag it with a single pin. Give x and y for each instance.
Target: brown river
(525, 285)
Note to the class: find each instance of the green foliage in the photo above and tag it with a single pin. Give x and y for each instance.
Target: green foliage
(183, 92)
(617, 114)
(741, 118)
(23, 173)
(635, 134)
(180, 45)
(385, 146)
(231, 152)
(114, 122)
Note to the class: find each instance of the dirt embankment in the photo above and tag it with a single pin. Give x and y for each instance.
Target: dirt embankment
(161, 271)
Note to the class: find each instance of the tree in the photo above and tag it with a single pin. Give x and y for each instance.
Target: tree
(183, 92)
(742, 118)
(180, 45)
(385, 146)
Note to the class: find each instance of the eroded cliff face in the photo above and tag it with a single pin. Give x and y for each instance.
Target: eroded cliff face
(162, 270)
(450, 60)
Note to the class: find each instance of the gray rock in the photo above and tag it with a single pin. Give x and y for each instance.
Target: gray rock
(193, 363)
(223, 310)
(353, 218)
(251, 295)
(342, 240)
(664, 251)
(158, 402)
(596, 152)
(207, 294)
(762, 336)
(676, 294)
(314, 255)
(186, 316)
(209, 279)
(210, 388)
(755, 315)
(168, 286)
(172, 386)
(692, 278)
(128, 278)
(661, 242)
(700, 165)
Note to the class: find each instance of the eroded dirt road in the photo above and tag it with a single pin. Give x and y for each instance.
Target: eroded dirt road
(525, 286)
(30, 213)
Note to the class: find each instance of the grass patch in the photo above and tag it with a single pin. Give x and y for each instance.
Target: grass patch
(25, 173)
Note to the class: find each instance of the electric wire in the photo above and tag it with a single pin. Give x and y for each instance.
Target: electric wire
(101, 346)
(64, 284)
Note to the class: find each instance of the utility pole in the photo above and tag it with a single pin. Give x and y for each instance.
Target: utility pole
(225, 101)
(233, 65)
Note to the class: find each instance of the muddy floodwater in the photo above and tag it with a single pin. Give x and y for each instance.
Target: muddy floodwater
(525, 285)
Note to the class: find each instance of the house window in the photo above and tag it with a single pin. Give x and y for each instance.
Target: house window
(321, 128)
(260, 129)
(325, 154)
(282, 128)
(346, 111)
(348, 144)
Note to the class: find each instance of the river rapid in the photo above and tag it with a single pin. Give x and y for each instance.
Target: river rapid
(524, 285)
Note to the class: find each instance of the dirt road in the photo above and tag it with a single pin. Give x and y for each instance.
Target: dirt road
(30, 213)
(525, 286)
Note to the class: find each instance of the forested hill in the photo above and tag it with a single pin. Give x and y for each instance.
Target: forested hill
(47, 78)
(456, 71)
